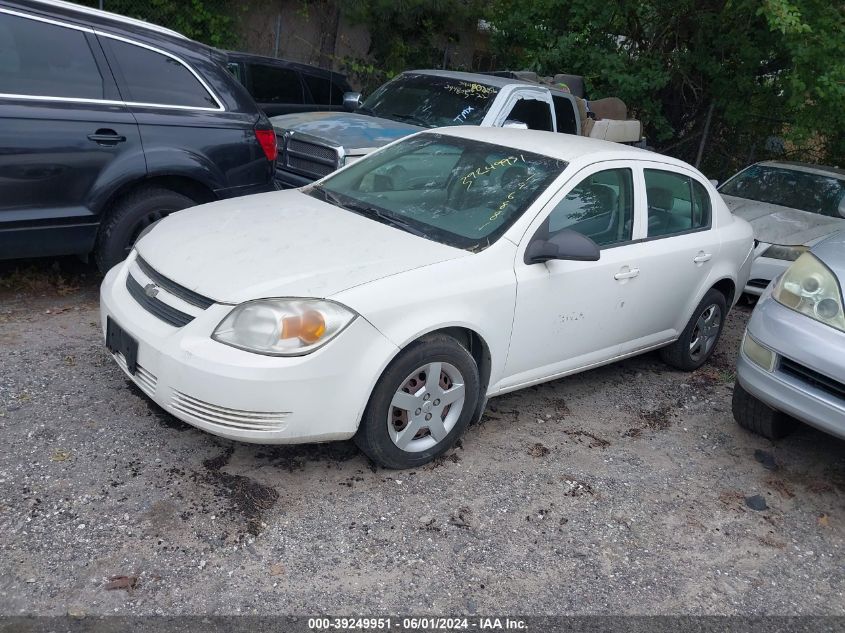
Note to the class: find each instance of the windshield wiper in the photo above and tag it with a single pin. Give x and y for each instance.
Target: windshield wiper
(361, 208)
(328, 196)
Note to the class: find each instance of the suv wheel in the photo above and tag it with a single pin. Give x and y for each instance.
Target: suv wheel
(758, 417)
(129, 216)
(421, 405)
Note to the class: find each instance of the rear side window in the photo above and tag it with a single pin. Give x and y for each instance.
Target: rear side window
(676, 203)
(323, 91)
(272, 84)
(40, 59)
(565, 115)
(150, 77)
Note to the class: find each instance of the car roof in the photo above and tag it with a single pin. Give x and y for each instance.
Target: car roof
(568, 147)
(490, 80)
(109, 22)
(264, 59)
(824, 170)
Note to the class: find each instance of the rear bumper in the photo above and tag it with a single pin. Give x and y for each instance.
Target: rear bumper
(240, 395)
(809, 344)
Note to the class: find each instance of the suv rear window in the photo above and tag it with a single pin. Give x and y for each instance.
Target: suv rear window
(28, 66)
(273, 84)
(153, 78)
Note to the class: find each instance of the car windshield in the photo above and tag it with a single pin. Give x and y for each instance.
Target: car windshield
(431, 101)
(459, 192)
(788, 188)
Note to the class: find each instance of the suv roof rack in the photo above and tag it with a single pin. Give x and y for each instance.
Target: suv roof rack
(112, 16)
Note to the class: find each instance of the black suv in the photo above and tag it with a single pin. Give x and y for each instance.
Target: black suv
(283, 87)
(108, 124)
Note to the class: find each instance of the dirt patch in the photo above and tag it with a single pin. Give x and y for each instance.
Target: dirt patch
(248, 497)
(593, 440)
(537, 450)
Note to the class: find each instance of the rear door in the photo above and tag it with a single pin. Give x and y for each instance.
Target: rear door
(65, 136)
(673, 257)
(185, 126)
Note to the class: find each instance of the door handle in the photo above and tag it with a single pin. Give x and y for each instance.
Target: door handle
(106, 137)
(702, 257)
(628, 274)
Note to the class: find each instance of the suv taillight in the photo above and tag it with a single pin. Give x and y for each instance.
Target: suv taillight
(267, 140)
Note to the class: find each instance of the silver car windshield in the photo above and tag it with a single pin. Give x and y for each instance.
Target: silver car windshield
(460, 192)
(791, 188)
(431, 101)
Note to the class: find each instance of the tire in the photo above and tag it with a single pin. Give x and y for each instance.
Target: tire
(699, 338)
(130, 215)
(398, 437)
(758, 417)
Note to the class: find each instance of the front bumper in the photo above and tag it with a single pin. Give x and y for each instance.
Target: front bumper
(284, 179)
(240, 395)
(809, 345)
(763, 270)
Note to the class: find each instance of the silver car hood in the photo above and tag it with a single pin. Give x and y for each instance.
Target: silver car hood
(832, 252)
(775, 224)
(356, 133)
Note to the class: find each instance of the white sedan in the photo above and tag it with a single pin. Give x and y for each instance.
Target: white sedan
(389, 300)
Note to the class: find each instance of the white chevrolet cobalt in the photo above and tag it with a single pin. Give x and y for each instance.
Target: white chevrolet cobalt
(389, 300)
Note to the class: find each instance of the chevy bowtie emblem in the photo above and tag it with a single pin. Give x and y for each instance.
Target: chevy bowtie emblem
(151, 290)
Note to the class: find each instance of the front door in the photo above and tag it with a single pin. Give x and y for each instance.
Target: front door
(570, 314)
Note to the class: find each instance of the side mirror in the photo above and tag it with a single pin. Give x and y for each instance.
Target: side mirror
(566, 244)
(519, 125)
(352, 101)
(714, 182)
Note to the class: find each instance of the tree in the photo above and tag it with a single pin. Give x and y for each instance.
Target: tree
(761, 70)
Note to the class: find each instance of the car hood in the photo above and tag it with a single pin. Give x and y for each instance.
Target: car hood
(281, 244)
(775, 224)
(832, 252)
(354, 132)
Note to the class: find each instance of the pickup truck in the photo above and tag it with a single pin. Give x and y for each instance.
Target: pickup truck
(314, 144)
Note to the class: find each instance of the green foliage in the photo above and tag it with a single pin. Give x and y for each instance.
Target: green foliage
(208, 21)
(412, 33)
(774, 68)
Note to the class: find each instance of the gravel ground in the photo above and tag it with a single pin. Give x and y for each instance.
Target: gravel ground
(620, 490)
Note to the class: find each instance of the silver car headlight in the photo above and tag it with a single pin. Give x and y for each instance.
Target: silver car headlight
(788, 253)
(809, 287)
(283, 327)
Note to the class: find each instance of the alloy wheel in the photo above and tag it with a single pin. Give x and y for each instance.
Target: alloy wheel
(705, 332)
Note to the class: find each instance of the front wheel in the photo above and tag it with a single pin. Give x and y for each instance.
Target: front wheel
(699, 338)
(421, 405)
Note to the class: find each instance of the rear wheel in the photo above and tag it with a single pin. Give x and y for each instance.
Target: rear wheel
(699, 338)
(421, 405)
(758, 417)
(129, 216)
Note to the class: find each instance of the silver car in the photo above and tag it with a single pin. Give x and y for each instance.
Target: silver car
(791, 207)
(792, 362)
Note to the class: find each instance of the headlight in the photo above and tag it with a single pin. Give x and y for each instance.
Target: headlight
(788, 253)
(283, 327)
(809, 287)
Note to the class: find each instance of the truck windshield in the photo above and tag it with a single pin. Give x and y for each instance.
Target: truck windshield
(460, 192)
(431, 101)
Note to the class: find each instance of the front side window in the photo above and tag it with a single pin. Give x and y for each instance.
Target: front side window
(431, 101)
(273, 84)
(676, 203)
(460, 192)
(322, 90)
(814, 193)
(157, 79)
(600, 207)
(46, 60)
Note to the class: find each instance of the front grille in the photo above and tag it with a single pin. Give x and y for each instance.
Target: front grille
(238, 419)
(186, 295)
(308, 159)
(813, 378)
(758, 283)
(158, 308)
